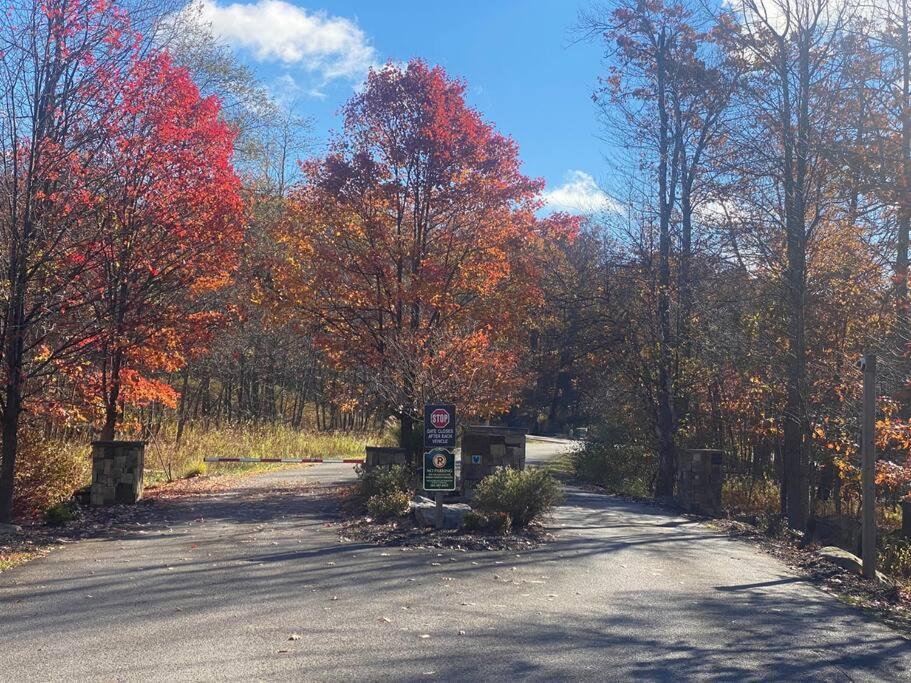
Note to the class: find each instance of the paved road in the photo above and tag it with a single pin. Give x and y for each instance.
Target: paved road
(214, 587)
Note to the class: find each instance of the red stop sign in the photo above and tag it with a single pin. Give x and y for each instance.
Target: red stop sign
(439, 418)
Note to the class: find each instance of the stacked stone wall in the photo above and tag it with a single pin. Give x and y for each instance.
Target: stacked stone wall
(700, 476)
(117, 468)
(486, 448)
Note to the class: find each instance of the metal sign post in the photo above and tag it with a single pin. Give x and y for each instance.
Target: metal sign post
(439, 453)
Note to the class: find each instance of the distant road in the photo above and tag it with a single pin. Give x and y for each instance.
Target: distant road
(539, 450)
(214, 587)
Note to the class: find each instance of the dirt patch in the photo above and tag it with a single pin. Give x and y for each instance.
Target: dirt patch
(406, 533)
(890, 602)
(195, 486)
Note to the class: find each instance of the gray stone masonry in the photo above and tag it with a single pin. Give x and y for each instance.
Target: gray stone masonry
(116, 472)
(496, 446)
(700, 475)
(382, 455)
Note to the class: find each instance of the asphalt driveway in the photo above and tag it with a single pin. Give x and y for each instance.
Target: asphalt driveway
(254, 584)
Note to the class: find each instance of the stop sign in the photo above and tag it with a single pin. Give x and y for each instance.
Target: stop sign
(439, 418)
(439, 425)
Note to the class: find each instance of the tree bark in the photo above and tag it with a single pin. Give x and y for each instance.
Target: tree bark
(667, 457)
(13, 394)
(796, 150)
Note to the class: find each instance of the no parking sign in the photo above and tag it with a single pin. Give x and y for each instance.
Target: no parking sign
(439, 442)
(439, 470)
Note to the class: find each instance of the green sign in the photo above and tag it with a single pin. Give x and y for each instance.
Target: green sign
(439, 470)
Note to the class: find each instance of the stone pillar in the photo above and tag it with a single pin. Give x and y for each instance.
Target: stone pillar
(116, 472)
(700, 475)
(384, 455)
(486, 448)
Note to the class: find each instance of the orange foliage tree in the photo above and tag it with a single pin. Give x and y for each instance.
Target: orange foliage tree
(412, 247)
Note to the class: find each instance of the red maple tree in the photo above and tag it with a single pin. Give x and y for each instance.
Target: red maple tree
(168, 232)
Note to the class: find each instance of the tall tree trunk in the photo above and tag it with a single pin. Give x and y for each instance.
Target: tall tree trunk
(796, 150)
(667, 457)
(13, 394)
(904, 189)
(112, 398)
(183, 407)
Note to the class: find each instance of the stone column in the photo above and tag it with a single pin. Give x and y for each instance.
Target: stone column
(484, 448)
(700, 477)
(117, 472)
(378, 456)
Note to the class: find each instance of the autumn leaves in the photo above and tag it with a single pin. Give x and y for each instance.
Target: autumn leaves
(122, 212)
(412, 247)
(409, 255)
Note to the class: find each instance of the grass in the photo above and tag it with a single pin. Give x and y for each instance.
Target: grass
(49, 471)
(561, 467)
(165, 462)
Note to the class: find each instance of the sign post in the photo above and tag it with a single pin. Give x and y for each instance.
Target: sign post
(439, 453)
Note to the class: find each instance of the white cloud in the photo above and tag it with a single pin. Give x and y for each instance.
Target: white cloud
(277, 31)
(579, 193)
(782, 15)
(285, 90)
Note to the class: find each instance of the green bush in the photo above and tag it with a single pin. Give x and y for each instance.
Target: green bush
(618, 466)
(61, 513)
(524, 495)
(388, 505)
(493, 523)
(384, 480)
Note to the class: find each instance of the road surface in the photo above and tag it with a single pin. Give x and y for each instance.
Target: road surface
(215, 588)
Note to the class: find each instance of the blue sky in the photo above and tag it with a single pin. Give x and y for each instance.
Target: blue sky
(518, 58)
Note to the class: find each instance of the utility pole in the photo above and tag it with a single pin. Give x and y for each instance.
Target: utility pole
(868, 453)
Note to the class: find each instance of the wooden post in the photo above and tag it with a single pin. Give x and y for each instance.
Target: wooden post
(868, 454)
(439, 511)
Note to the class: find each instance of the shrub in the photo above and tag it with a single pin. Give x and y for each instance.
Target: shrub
(197, 470)
(895, 556)
(775, 525)
(493, 523)
(61, 513)
(620, 467)
(389, 505)
(384, 480)
(749, 496)
(48, 471)
(524, 495)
